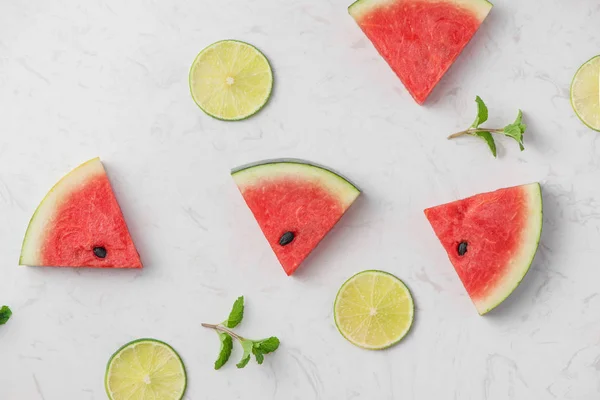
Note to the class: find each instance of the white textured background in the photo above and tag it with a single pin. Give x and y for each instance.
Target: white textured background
(85, 78)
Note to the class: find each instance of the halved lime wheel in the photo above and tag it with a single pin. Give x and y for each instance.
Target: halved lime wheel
(231, 80)
(585, 93)
(145, 369)
(373, 310)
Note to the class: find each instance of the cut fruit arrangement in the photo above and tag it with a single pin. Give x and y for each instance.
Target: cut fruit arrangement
(490, 239)
(296, 203)
(420, 39)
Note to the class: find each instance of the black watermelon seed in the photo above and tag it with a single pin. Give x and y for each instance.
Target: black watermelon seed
(100, 252)
(462, 248)
(286, 238)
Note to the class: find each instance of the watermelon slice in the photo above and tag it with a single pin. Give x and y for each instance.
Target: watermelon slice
(79, 224)
(491, 239)
(420, 39)
(295, 204)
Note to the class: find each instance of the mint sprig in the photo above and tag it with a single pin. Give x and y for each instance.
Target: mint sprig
(5, 313)
(257, 347)
(514, 130)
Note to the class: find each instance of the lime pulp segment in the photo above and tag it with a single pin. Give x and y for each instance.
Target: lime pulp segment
(585, 93)
(373, 310)
(145, 369)
(231, 80)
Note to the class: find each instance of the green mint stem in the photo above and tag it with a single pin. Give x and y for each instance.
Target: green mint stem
(472, 131)
(221, 328)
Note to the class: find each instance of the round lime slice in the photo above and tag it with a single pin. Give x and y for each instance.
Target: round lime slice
(231, 80)
(145, 369)
(373, 310)
(585, 93)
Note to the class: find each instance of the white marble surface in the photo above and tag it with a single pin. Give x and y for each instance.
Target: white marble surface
(109, 78)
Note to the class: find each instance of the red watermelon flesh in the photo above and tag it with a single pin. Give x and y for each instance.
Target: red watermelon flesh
(80, 224)
(420, 39)
(294, 196)
(499, 233)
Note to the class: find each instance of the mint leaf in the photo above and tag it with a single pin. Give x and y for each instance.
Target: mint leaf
(5, 314)
(482, 113)
(267, 345)
(247, 345)
(516, 130)
(258, 354)
(225, 352)
(513, 131)
(519, 122)
(236, 314)
(487, 136)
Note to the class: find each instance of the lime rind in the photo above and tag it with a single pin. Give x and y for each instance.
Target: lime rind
(593, 62)
(259, 105)
(411, 310)
(133, 343)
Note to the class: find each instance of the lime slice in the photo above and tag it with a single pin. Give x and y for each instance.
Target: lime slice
(373, 310)
(231, 80)
(145, 369)
(585, 93)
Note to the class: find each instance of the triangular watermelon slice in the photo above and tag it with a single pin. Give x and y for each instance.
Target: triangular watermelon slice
(420, 39)
(491, 239)
(295, 203)
(80, 224)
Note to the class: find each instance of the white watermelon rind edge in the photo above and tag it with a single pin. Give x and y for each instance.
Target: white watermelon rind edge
(522, 262)
(43, 215)
(481, 8)
(339, 186)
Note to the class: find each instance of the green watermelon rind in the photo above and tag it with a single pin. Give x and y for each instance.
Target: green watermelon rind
(36, 230)
(523, 263)
(338, 185)
(481, 8)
